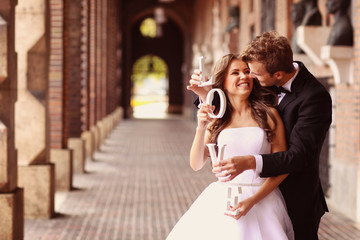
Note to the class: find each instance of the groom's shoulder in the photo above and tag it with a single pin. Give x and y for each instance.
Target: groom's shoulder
(311, 86)
(308, 79)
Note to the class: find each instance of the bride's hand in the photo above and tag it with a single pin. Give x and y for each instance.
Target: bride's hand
(244, 207)
(203, 115)
(194, 83)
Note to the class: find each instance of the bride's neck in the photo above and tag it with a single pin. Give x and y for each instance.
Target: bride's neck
(240, 105)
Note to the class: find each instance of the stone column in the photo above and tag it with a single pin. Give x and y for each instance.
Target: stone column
(11, 197)
(36, 173)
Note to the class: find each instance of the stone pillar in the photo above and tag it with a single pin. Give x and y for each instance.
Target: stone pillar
(12, 215)
(62, 158)
(11, 197)
(39, 184)
(30, 111)
(59, 154)
(77, 145)
(89, 145)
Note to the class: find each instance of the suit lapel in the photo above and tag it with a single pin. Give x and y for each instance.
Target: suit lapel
(288, 98)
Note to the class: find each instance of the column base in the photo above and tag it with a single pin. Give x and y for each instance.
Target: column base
(12, 215)
(89, 146)
(38, 182)
(63, 161)
(95, 132)
(77, 145)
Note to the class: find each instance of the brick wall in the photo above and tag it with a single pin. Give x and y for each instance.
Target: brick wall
(55, 91)
(92, 63)
(112, 63)
(348, 102)
(85, 65)
(72, 69)
(347, 122)
(99, 59)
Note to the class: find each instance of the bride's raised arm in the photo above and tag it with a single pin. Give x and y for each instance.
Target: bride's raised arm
(199, 152)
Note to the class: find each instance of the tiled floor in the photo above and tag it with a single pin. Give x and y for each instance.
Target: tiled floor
(138, 186)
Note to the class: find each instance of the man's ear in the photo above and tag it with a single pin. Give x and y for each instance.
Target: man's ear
(279, 75)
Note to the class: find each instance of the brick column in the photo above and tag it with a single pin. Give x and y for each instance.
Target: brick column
(101, 42)
(59, 154)
(112, 63)
(93, 72)
(72, 69)
(96, 75)
(85, 64)
(92, 63)
(11, 197)
(85, 80)
(104, 55)
(74, 82)
(55, 86)
(99, 59)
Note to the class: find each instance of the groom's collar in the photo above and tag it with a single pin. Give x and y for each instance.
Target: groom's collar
(287, 85)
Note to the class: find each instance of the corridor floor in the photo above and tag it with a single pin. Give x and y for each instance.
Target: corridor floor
(138, 185)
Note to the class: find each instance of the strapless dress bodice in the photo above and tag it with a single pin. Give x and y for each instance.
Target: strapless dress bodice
(244, 141)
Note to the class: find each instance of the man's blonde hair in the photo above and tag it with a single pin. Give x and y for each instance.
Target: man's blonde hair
(272, 50)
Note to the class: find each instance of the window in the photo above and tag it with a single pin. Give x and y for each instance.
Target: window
(148, 28)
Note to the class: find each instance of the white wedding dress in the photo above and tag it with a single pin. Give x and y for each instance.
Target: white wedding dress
(205, 219)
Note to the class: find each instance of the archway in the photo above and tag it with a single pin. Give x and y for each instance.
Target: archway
(149, 94)
(167, 44)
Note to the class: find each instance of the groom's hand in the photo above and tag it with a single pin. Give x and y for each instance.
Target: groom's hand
(228, 169)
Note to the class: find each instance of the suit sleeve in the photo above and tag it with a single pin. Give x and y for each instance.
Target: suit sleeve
(197, 102)
(216, 101)
(305, 139)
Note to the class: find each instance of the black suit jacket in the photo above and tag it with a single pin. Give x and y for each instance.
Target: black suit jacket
(306, 113)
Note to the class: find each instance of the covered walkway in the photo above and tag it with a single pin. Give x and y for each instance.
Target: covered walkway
(138, 185)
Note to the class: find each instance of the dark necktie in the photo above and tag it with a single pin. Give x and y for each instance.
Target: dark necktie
(279, 90)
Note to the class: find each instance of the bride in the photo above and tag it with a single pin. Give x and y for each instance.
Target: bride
(247, 207)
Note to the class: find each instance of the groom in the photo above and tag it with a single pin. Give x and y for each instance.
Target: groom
(305, 107)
